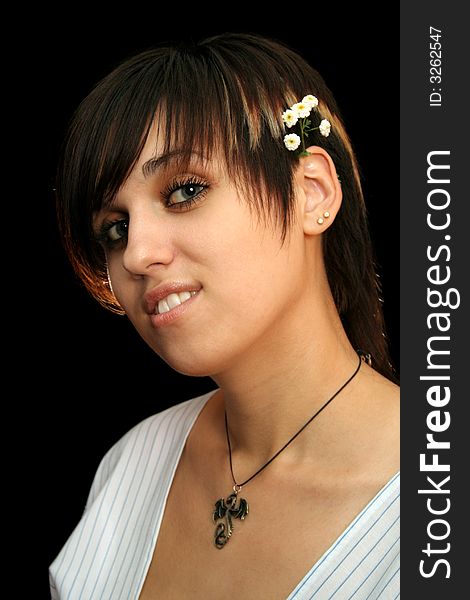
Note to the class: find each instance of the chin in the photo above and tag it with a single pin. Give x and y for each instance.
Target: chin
(191, 370)
(192, 364)
(194, 355)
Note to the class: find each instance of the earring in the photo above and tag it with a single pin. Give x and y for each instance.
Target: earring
(321, 220)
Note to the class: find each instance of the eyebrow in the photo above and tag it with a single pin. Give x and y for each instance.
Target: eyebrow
(152, 165)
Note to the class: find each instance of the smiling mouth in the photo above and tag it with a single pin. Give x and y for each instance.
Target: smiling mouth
(172, 301)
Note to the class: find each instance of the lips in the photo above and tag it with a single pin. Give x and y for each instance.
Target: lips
(168, 296)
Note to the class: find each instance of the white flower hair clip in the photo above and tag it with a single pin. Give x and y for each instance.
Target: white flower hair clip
(299, 113)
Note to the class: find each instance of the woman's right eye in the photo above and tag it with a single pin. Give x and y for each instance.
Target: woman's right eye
(112, 232)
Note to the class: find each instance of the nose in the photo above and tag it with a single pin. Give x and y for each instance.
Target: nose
(149, 244)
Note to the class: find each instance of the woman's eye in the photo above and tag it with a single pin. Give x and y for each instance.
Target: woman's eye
(185, 193)
(118, 231)
(115, 231)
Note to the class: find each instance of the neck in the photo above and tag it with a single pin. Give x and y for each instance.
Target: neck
(277, 387)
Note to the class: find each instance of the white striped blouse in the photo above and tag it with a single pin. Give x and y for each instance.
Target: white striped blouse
(109, 552)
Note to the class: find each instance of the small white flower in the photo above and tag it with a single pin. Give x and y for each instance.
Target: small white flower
(292, 141)
(302, 109)
(325, 127)
(290, 117)
(312, 101)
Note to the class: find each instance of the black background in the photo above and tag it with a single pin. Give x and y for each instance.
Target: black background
(86, 375)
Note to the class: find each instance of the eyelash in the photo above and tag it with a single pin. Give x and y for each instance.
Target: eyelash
(175, 185)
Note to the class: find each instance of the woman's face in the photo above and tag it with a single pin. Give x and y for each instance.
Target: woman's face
(204, 281)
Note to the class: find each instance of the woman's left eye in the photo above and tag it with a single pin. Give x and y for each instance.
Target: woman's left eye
(185, 194)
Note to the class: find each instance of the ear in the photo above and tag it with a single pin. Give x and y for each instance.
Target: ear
(319, 190)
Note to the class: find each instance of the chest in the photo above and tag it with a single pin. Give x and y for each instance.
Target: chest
(287, 529)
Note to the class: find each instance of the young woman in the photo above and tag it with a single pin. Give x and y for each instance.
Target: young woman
(210, 193)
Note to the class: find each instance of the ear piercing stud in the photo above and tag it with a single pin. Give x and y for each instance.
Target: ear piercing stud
(321, 220)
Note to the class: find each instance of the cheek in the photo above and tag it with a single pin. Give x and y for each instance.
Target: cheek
(251, 277)
(233, 259)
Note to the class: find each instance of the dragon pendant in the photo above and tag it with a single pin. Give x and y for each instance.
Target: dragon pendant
(228, 509)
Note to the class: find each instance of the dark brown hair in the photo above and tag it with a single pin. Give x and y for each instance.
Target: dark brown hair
(225, 93)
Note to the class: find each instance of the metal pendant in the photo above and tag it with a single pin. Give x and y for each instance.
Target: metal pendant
(228, 510)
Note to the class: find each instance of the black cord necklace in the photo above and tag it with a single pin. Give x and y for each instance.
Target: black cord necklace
(227, 508)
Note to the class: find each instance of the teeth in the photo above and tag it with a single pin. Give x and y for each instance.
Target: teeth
(185, 296)
(173, 300)
(163, 307)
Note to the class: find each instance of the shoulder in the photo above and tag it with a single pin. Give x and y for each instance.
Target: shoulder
(379, 391)
(367, 430)
(379, 415)
(163, 433)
